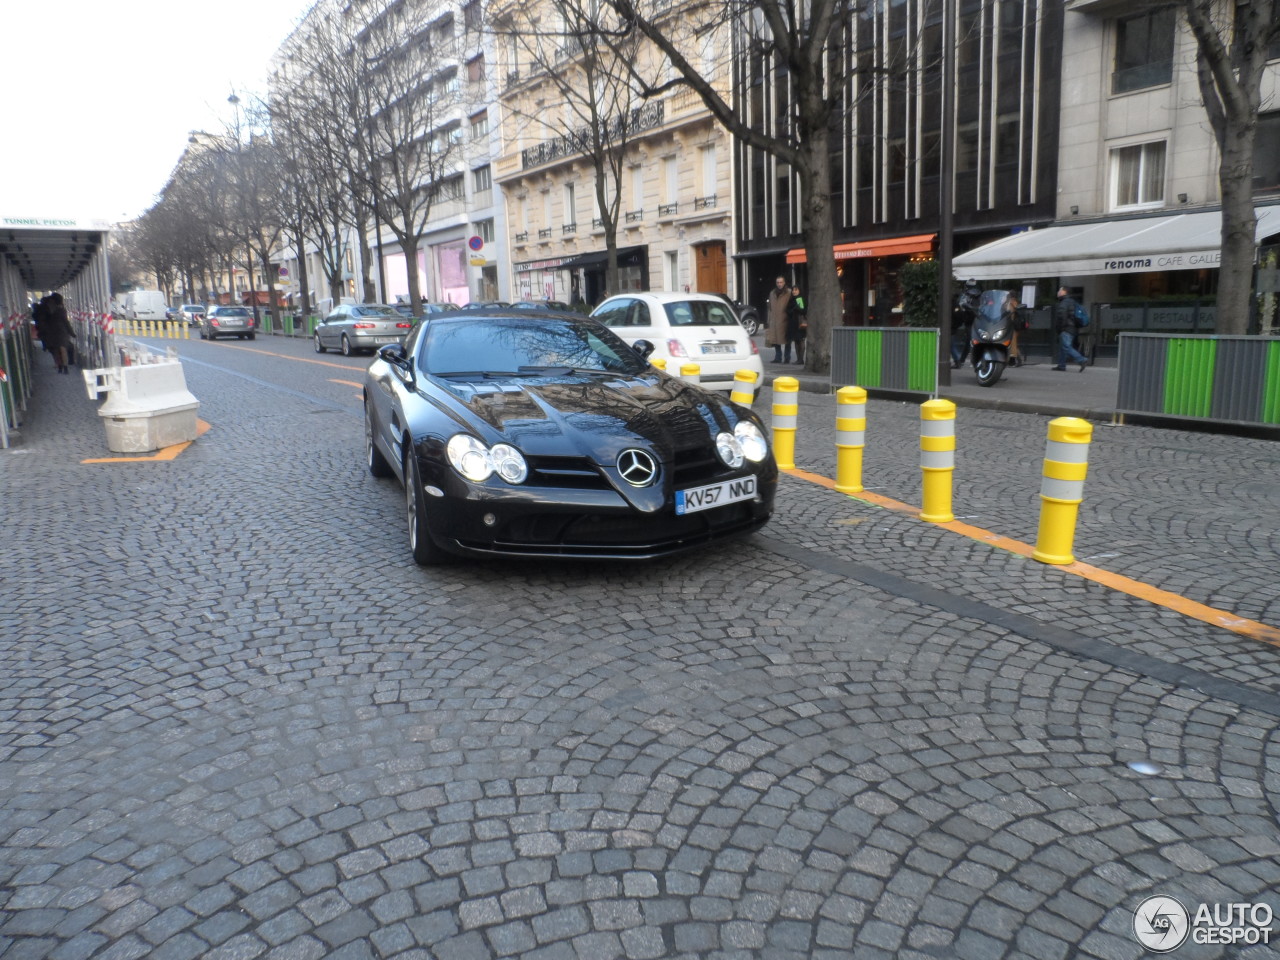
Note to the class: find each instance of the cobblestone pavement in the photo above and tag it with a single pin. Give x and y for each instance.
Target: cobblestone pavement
(237, 721)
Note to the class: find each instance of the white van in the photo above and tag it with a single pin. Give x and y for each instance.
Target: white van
(144, 305)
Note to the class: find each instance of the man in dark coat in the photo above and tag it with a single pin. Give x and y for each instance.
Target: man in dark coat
(1064, 332)
(56, 332)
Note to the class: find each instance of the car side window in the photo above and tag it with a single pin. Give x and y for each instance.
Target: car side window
(618, 314)
(639, 314)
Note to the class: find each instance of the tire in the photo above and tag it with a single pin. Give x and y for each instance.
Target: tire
(425, 550)
(346, 346)
(239, 336)
(373, 457)
(253, 336)
(320, 347)
(988, 371)
(752, 324)
(202, 333)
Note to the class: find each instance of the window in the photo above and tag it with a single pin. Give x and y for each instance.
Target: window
(709, 178)
(1137, 174)
(1266, 154)
(670, 177)
(471, 16)
(475, 69)
(672, 269)
(483, 178)
(637, 189)
(1144, 50)
(484, 230)
(570, 203)
(480, 125)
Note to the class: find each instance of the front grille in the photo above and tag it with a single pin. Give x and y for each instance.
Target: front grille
(578, 473)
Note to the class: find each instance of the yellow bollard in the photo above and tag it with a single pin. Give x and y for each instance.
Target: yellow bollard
(937, 459)
(659, 362)
(744, 388)
(786, 413)
(1066, 460)
(851, 427)
(691, 373)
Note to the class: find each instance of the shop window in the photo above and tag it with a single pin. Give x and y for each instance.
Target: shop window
(1137, 175)
(1144, 50)
(1266, 154)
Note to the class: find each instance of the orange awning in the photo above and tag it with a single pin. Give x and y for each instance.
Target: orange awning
(921, 243)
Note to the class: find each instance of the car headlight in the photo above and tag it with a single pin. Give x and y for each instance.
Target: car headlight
(508, 463)
(729, 449)
(477, 463)
(754, 446)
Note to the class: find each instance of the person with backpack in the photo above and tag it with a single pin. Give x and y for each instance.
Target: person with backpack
(1068, 318)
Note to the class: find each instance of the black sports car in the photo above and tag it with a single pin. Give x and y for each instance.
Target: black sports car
(540, 435)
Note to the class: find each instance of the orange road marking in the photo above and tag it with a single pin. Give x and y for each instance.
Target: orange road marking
(166, 453)
(281, 356)
(348, 383)
(1115, 581)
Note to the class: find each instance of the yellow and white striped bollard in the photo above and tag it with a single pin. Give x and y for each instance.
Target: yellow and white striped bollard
(937, 459)
(1066, 461)
(786, 413)
(851, 433)
(659, 362)
(691, 373)
(744, 388)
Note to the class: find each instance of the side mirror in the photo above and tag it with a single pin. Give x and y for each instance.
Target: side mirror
(644, 348)
(393, 353)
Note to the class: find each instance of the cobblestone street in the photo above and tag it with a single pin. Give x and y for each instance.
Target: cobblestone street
(237, 721)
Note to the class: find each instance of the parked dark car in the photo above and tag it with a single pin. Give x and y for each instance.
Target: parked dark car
(486, 305)
(558, 306)
(547, 436)
(429, 309)
(747, 315)
(352, 327)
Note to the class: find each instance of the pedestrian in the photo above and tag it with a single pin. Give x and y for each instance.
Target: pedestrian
(40, 316)
(1011, 309)
(797, 327)
(1065, 326)
(56, 331)
(775, 334)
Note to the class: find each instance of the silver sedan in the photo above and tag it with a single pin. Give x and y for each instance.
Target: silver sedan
(361, 326)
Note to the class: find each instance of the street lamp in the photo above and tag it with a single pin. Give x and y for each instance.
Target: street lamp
(248, 247)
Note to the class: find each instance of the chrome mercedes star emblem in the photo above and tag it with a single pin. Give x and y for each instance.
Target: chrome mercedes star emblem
(637, 467)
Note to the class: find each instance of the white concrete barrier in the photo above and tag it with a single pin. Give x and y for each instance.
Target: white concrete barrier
(148, 406)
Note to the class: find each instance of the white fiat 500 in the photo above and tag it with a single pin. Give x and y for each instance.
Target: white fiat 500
(685, 328)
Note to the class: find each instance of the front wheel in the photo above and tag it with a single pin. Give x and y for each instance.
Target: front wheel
(320, 347)
(425, 550)
(988, 370)
(346, 346)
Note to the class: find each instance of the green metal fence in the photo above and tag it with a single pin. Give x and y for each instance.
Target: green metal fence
(1212, 378)
(891, 358)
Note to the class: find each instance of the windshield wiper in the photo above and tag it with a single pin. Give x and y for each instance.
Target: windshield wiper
(554, 371)
(484, 374)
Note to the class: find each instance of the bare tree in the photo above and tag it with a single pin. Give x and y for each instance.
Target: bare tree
(1233, 44)
(569, 56)
(799, 43)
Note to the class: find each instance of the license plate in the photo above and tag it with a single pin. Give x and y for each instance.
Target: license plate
(715, 495)
(386, 340)
(717, 348)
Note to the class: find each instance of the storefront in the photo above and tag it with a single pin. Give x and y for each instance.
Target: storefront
(587, 272)
(869, 289)
(540, 280)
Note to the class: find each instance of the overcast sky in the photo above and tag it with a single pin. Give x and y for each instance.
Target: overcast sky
(101, 95)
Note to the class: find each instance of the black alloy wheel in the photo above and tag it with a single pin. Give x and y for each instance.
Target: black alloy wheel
(425, 550)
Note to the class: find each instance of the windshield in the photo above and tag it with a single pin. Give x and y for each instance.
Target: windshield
(512, 346)
(376, 310)
(233, 312)
(699, 313)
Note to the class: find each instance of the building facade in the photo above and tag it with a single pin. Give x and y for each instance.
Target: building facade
(671, 182)
(887, 148)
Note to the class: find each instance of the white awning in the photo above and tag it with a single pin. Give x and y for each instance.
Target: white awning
(1186, 241)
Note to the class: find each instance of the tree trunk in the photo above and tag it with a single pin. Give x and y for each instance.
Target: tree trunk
(409, 247)
(822, 299)
(304, 281)
(1239, 224)
(366, 256)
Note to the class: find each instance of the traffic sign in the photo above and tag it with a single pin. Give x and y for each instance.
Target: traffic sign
(476, 244)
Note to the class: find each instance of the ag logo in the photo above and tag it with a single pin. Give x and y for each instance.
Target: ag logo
(1161, 924)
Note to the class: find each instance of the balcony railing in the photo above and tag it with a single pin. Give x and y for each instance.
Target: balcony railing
(668, 209)
(544, 234)
(634, 216)
(522, 236)
(513, 77)
(577, 141)
(597, 224)
(704, 203)
(568, 228)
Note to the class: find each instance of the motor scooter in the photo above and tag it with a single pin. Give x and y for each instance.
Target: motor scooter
(991, 335)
